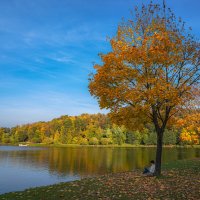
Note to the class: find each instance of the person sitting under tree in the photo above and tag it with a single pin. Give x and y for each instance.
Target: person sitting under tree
(150, 170)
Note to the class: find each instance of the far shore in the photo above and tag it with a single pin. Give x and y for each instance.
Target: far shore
(108, 146)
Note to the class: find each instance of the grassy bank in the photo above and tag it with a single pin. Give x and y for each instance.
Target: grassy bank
(180, 180)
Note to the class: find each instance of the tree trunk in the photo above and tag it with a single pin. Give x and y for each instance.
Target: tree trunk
(159, 152)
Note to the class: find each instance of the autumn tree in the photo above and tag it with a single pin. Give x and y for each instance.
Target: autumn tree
(149, 73)
(189, 121)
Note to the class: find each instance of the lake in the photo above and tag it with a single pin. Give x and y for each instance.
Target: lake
(25, 167)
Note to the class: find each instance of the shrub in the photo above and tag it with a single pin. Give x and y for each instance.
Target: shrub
(6, 140)
(106, 141)
(74, 140)
(93, 141)
(36, 140)
(83, 141)
(48, 140)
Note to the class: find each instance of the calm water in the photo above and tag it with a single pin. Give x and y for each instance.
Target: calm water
(24, 167)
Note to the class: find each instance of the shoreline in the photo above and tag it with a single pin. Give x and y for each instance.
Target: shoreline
(99, 146)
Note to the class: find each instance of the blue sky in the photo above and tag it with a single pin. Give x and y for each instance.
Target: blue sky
(48, 48)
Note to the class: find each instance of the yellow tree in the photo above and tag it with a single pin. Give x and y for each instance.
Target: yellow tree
(148, 75)
(189, 121)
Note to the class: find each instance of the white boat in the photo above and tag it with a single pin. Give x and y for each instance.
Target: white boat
(23, 145)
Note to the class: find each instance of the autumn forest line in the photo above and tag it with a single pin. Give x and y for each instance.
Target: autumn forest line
(97, 129)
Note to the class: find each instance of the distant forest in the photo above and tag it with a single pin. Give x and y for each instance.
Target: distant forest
(92, 129)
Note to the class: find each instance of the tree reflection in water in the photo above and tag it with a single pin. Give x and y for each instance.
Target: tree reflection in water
(88, 161)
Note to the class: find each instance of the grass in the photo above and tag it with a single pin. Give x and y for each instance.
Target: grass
(179, 180)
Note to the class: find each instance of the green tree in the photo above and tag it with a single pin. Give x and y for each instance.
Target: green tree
(118, 135)
(56, 137)
(20, 135)
(151, 139)
(137, 137)
(1, 134)
(5, 138)
(63, 135)
(170, 137)
(37, 138)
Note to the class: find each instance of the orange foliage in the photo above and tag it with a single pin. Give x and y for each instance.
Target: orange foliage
(149, 72)
(148, 75)
(190, 125)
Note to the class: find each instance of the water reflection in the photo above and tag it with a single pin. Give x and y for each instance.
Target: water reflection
(28, 165)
